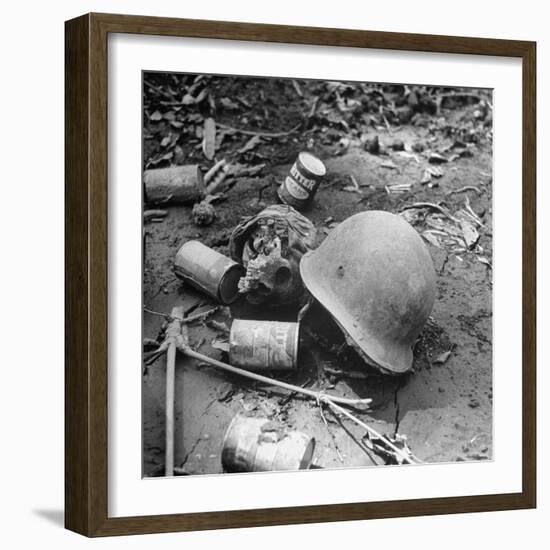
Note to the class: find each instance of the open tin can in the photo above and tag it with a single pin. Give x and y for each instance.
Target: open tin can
(264, 345)
(209, 271)
(302, 182)
(262, 445)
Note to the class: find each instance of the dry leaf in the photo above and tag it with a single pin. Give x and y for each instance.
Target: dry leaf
(436, 158)
(221, 345)
(389, 164)
(228, 103)
(471, 236)
(250, 144)
(209, 138)
(442, 358)
(431, 238)
(435, 171)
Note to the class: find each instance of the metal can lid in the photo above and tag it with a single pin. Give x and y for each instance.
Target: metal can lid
(311, 163)
(228, 290)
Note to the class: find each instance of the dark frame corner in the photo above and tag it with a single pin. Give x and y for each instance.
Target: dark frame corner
(86, 288)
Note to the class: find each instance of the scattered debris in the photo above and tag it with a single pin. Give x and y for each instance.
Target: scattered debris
(398, 453)
(431, 172)
(398, 188)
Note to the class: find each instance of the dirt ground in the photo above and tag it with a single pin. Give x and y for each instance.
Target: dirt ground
(444, 407)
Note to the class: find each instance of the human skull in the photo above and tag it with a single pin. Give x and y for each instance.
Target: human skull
(270, 246)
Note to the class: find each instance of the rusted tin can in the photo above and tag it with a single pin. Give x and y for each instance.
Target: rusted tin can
(264, 345)
(176, 184)
(301, 184)
(209, 271)
(262, 445)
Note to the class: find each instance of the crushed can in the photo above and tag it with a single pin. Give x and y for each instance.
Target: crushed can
(264, 345)
(257, 444)
(302, 182)
(209, 271)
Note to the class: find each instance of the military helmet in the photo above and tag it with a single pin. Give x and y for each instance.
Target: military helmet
(375, 276)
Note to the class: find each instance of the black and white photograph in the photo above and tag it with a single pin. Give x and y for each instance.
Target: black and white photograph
(317, 274)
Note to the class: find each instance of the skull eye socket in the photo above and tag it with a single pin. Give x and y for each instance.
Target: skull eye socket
(282, 276)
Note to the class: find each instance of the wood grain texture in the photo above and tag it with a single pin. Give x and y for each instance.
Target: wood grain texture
(86, 279)
(77, 386)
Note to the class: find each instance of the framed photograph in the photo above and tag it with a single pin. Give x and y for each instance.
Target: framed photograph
(300, 275)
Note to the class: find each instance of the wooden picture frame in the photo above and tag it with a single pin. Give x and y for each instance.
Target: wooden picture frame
(86, 282)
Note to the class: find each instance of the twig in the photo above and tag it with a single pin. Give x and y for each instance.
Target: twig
(388, 127)
(371, 431)
(152, 312)
(150, 343)
(157, 90)
(354, 182)
(186, 320)
(263, 134)
(444, 211)
(319, 396)
(330, 433)
(297, 88)
(200, 316)
(472, 213)
(465, 188)
(313, 108)
(152, 356)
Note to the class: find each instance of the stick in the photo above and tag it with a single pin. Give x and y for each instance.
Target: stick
(371, 431)
(173, 334)
(200, 316)
(319, 396)
(263, 134)
(170, 383)
(465, 188)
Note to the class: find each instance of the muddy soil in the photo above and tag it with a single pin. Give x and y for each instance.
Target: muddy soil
(444, 407)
